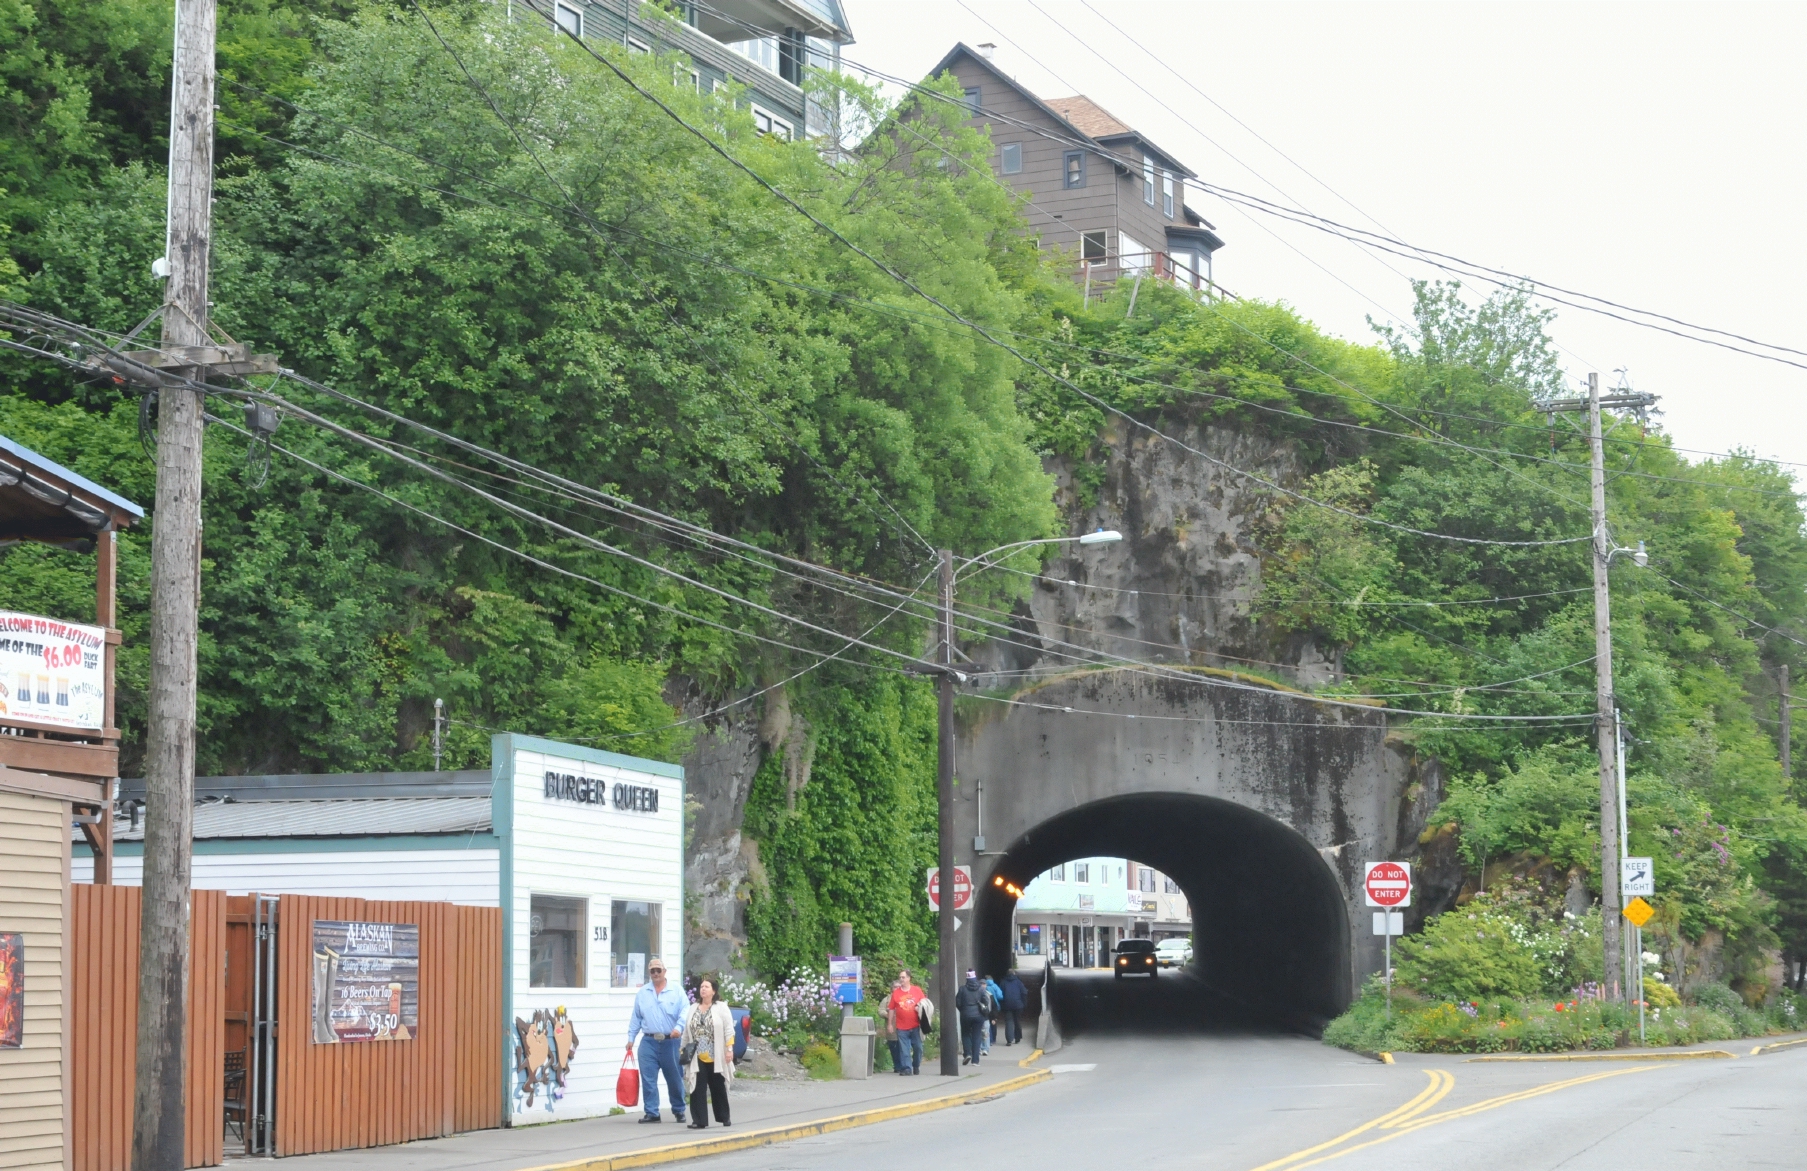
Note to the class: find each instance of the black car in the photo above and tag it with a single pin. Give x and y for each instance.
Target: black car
(1135, 957)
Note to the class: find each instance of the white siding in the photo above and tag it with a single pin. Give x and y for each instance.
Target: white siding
(601, 853)
(34, 841)
(458, 876)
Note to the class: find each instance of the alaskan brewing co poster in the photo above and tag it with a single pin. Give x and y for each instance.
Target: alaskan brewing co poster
(52, 672)
(366, 981)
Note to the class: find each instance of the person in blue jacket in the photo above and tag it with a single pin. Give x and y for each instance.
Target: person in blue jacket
(1014, 1001)
(658, 1020)
(991, 1026)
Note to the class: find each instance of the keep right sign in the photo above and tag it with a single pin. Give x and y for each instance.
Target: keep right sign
(1388, 884)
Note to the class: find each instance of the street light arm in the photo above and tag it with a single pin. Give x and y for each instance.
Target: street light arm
(983, 560)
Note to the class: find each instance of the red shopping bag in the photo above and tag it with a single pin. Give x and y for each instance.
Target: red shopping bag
(627, 1082)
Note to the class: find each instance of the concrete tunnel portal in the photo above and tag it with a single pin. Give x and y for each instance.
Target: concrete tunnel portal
(1271, 936)
(1262, 803)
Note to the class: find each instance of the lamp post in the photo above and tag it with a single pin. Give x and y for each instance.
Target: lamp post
(949, 984)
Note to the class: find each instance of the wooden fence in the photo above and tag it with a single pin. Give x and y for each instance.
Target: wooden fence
(447, 1078)
(103, 1044)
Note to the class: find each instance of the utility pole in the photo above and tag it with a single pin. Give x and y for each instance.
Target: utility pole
(1606, 722)
(1605, 726)
(157, 1100)
(1787, 721)
(948, 986)
(438, 727)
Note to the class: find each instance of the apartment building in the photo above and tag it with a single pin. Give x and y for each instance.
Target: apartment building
(1098, 188)
(765, 45)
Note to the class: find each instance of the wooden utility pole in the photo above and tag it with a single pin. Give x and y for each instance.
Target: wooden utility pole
(948, 986)
(1606, 728)
(1786, 717)
(157, 1105)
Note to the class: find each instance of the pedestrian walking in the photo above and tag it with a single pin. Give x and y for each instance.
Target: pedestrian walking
(905, 999)
(658, 1020)
(1014, 1000)
(991, 1015)
(710, 1070)
(970, 1006)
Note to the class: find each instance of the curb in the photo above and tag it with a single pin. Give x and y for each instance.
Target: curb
(1382, 1056)
(676, 1152)
(1689, 1055)
(1778, 1046)
(1024, 1063)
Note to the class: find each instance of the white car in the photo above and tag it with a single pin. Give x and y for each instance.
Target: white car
(1173, 953)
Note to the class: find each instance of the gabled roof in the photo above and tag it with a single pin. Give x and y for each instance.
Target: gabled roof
(1079, 115)
(41, 500)
(964, 50)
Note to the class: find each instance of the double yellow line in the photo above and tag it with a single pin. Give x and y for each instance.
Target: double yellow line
(1411, 1117)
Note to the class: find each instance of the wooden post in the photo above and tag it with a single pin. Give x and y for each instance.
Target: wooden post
(1605, 726)
(158, 1121)
(106, 615)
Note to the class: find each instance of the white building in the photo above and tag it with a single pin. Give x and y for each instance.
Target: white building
(582, 849)
(1073, 914)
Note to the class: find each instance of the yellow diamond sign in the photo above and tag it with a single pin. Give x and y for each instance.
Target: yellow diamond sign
(1639, 912)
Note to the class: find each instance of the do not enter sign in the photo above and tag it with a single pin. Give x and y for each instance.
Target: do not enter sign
(963, 887)
(1388, 884)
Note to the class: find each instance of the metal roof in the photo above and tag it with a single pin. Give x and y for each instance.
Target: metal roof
(342, 817)
(56, 469)
(319, 786)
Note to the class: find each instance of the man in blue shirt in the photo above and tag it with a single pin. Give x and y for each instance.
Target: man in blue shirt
(658, 1020)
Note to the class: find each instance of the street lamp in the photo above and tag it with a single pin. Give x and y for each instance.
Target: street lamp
(944, 776)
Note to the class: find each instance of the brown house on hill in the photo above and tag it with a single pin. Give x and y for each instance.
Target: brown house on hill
(1098, 188)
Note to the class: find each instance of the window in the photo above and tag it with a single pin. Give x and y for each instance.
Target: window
(1073, 168)
(556, 926)
(767, 122)
(1130, 253)
(1010, 158)
(634, 932)
(1173, 887)
(1144, 880)
(569, 19)
(971, 96)
(1167, 194)
(1148, 180)
(1082, 872)
(762, 51)
(1092, 247)
(1029, 939)
(1058, 874)
(634, 46)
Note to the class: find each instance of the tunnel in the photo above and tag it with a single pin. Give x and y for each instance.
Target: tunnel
(1270, 924)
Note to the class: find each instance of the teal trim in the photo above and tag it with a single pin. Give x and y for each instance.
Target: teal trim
(501, 817)
(505, 744)
(683, 919)
(482, 840)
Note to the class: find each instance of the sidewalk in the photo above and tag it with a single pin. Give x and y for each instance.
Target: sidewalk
(758, 1107)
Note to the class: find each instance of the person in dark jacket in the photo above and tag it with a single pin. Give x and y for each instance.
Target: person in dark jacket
(973, 1003)
(1016, 999)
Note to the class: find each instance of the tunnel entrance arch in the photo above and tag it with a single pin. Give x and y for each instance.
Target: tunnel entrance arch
(1205, 778)
(1269, 927)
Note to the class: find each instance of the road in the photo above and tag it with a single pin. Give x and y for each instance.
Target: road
(1224, 1098)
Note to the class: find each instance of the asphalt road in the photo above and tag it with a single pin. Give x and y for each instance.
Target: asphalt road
(1126, 1094)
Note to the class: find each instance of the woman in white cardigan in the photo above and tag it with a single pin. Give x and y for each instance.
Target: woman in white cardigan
(711, 1068)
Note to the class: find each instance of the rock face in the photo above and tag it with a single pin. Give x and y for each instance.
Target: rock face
(1180, 586)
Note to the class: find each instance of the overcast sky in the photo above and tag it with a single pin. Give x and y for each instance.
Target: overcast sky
(1650, 154)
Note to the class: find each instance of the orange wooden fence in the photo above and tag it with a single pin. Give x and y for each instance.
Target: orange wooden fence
(447, 1078)
(103, 1046)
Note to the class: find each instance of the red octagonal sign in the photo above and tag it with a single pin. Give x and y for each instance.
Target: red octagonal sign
(1388, 884)
(963, 888)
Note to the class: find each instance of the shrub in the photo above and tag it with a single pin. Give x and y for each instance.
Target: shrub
(822, 1061)
(1718, 997)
